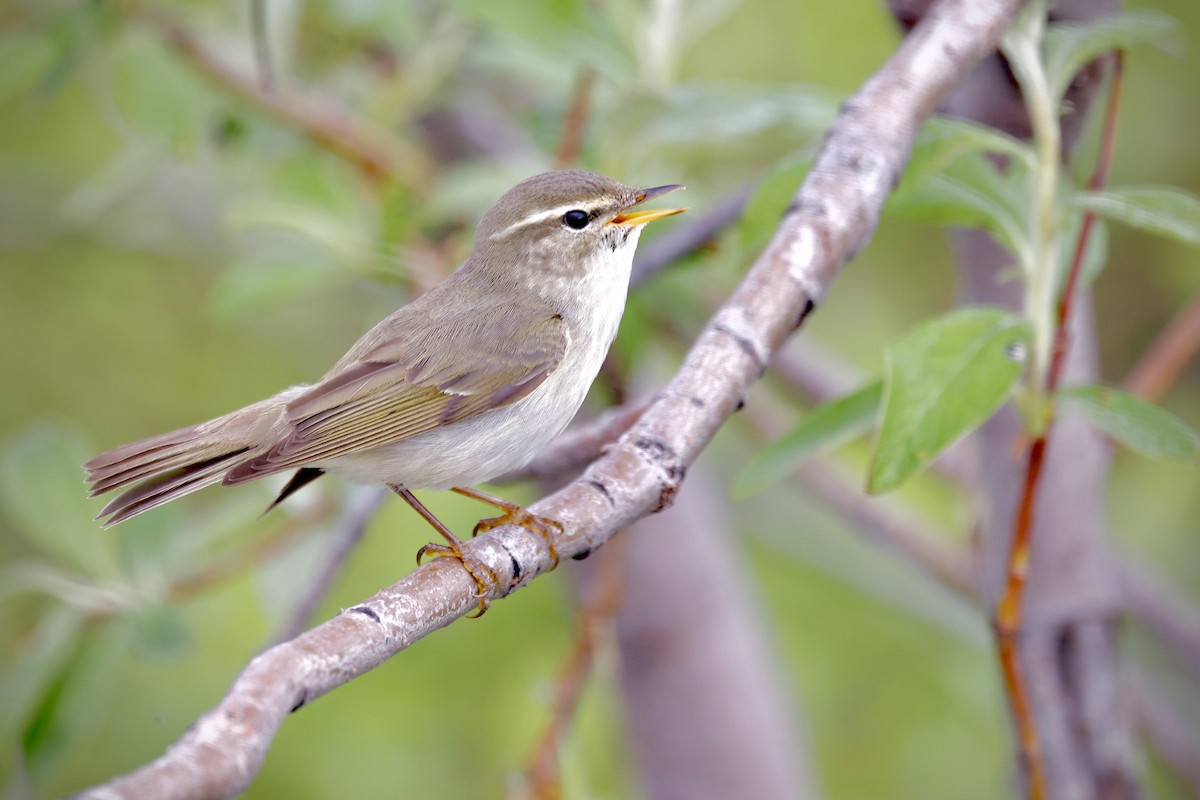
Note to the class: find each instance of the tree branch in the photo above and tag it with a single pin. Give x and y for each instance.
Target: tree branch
(830, 219)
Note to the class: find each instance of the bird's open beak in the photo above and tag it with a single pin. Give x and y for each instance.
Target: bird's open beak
(635, 218)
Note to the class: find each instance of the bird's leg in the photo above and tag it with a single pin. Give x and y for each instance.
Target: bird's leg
(514, 515)
(485, 578)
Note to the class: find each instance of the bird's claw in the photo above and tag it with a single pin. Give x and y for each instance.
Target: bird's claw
(515, 515)
(485, 579)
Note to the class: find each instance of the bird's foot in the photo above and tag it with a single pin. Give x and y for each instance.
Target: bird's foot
(485, 579)
(516, 515)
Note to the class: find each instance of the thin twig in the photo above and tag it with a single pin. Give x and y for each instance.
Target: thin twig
(918, 541)
(1098, 181)
(380, 156)
(350, 529)
(570, 143)
(682, 240)
(542, 773)
(1008, 613)
(259, 551)
(1008, 620)
(831, 218)
(1173, 349)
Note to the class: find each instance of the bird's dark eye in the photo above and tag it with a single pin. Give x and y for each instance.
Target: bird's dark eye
(576, 220)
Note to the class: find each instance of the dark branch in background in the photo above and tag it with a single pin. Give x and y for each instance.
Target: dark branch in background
(259, 551)
(1165, 611)
(1068, 626)
(381, 157)
(830, 219)
(920, 542)
(1008, 617)
(350, 528)
(824, 375)
(706, 715)
(684, 239)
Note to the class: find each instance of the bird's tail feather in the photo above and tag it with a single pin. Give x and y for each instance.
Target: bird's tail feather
(170, 465)
(168, 485)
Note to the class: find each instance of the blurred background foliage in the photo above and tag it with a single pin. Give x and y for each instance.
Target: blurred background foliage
(170, 250)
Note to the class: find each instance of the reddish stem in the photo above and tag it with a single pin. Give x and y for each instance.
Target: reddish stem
(570, 144)
(1099, 181)
(1008, 615)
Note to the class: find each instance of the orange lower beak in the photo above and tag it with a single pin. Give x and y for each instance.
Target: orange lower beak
(635, 218)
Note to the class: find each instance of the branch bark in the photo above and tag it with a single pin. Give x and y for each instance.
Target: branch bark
(830, 219)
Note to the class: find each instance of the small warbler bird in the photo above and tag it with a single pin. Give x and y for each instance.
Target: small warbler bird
(469, 381)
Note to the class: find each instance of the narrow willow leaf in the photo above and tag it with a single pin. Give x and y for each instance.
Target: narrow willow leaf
(828, 426)
(941, 381)
(561, 32)
(44, 653)
(40, 494)
(1158, 209)
(1141, 426)
(251, 287)
(970, 192)
(941, 140)
(1071, 45)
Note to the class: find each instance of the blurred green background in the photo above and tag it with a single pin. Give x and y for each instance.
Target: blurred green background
(170, 251)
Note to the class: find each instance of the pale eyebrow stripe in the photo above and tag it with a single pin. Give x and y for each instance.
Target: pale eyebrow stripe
(541, 216)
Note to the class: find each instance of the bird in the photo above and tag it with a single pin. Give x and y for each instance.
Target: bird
(464, 383)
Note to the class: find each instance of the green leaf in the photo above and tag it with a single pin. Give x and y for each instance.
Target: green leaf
(568, 33)
(23, 59)
(340, 236)
(941, 381)
(78, 698)
(1069, 46)
(1158, 209)
(249, 287)
(725, 132)
(160, 631)
(765, 207)
(942, 140)
(828, 426)
(1141, 426)
(971, 193)
(41, 489)
(42, 657)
